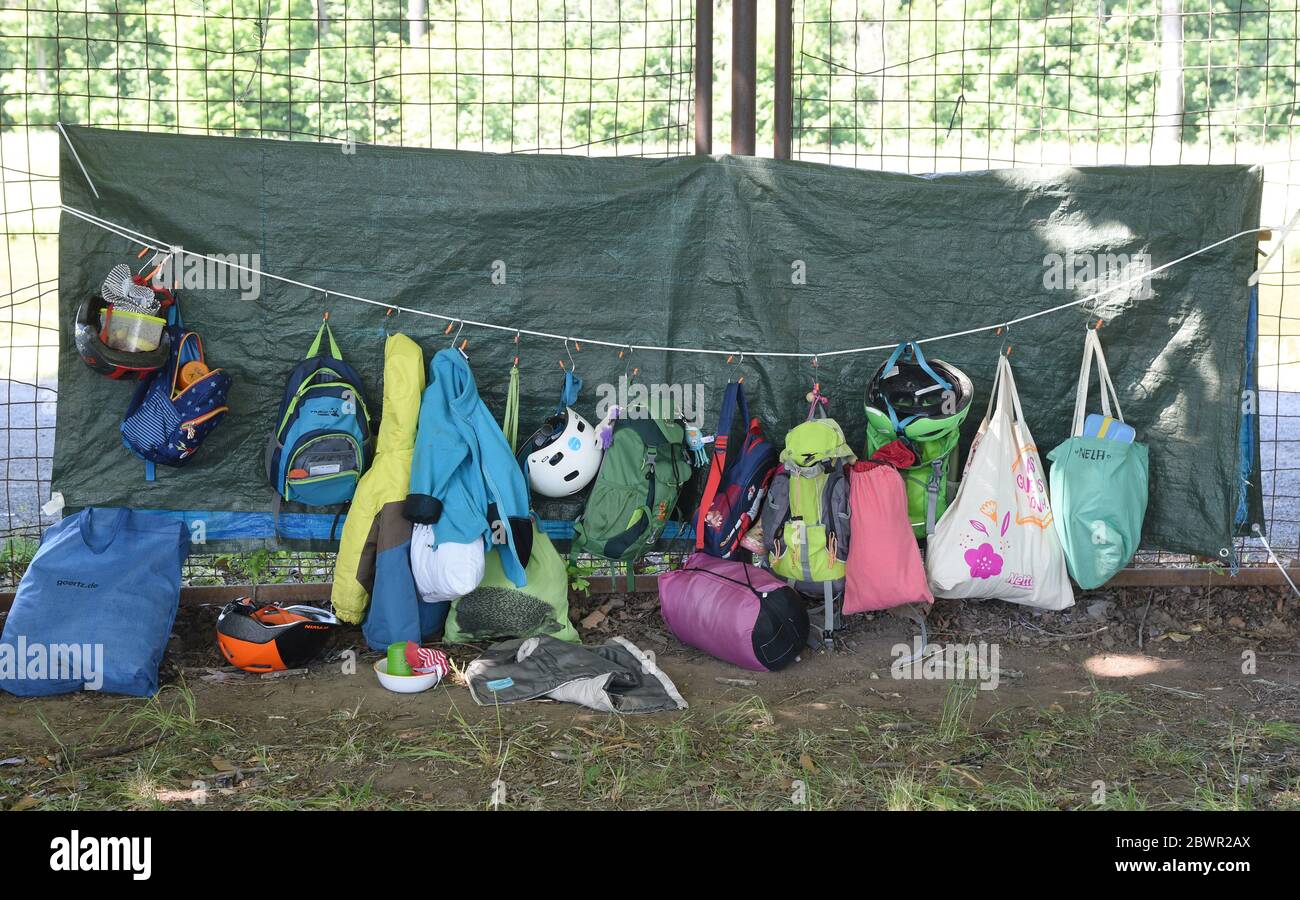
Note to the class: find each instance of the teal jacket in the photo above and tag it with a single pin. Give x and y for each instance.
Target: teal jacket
(464, 478)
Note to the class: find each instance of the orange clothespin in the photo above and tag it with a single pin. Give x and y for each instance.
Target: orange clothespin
(326, 316)
(143, 251)
(447, 330)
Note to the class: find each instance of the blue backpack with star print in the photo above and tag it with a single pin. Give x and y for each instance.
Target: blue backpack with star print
(176, 408)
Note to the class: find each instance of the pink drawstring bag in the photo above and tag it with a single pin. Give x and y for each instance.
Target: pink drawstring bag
(884, 567)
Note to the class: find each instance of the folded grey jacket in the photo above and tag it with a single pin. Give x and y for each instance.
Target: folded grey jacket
(613, 677)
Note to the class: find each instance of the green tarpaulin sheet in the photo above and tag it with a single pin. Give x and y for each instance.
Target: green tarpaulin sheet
(738, 254)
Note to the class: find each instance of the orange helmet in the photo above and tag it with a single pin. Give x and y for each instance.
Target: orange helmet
(270, 638)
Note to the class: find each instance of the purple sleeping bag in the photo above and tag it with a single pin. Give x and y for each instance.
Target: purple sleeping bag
(734, 611)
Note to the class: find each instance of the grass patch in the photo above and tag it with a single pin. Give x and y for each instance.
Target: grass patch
(1111, 750)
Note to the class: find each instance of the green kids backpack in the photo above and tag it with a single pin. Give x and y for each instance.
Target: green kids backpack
(636, 488)
(805, 518)
(924, 402)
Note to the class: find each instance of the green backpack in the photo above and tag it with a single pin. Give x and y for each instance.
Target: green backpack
(926, 403)
(636, 489)
(805, 517)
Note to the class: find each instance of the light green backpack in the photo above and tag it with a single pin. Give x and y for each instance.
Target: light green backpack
(805, 517)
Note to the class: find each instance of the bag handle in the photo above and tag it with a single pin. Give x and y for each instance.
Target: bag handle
(83, 526)
(1091, 349)
(1004, 392)
(315, 348)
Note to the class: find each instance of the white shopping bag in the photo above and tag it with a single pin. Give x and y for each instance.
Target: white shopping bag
(996, 540)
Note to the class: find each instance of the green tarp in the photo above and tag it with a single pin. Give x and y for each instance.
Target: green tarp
(734, 253)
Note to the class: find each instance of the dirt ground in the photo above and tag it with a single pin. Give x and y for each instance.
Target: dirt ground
(1202, 712)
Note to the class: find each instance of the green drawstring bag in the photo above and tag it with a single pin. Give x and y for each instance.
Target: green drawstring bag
(510, 422)
(497, 609)
(1098, 483)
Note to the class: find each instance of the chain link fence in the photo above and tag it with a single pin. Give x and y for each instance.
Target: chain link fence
(599, 77)
(951, 85)
(935, 85)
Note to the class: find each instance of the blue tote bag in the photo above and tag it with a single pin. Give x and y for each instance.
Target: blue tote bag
(96, 606)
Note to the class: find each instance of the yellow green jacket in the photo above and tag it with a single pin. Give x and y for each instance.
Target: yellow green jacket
(374, 551)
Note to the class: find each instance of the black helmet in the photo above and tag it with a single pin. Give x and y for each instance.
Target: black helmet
(110, 362)
(908, 387)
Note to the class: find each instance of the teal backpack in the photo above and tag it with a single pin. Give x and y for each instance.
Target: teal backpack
(321, 442)
(636, 489)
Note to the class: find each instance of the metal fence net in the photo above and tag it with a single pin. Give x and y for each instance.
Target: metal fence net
(571, 76)
(950, 85)
(935, 85)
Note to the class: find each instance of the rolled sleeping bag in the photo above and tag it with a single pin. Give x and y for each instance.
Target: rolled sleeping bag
(737, 612)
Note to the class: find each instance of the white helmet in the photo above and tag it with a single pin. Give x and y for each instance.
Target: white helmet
(562, 457)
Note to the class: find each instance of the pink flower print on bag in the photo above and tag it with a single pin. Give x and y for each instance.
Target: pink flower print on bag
(984, 561)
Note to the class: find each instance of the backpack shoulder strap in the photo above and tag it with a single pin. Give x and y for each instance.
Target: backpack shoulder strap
(835, 508)
(733, 396)
(776, 508)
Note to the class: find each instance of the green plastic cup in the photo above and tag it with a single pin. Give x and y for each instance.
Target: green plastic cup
(397, 664)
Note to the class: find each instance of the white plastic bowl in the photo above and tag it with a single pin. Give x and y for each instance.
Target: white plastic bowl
(404, 684)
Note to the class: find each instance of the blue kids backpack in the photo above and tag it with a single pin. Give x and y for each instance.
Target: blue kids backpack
(322, 437)
(168, 418)
(733, 495)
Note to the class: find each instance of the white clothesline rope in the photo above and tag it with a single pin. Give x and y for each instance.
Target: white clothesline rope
(159, 246)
